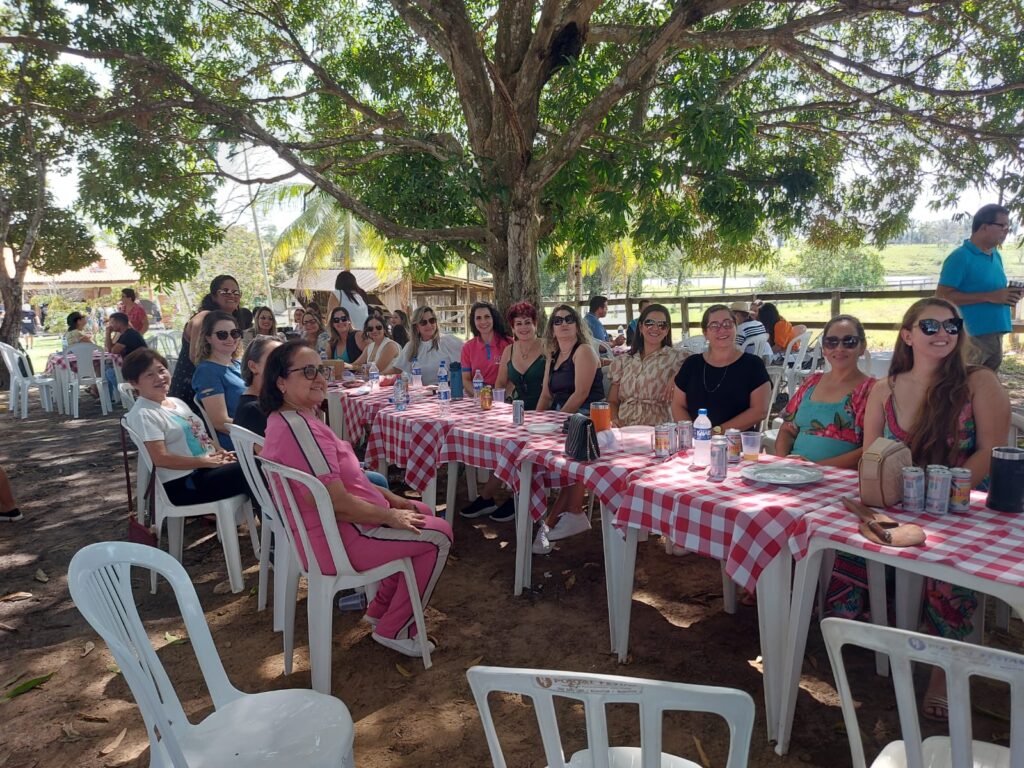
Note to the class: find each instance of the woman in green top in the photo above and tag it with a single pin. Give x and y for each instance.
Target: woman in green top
(521, 367)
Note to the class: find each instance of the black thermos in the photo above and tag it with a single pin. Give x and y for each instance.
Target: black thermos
(1006, 480)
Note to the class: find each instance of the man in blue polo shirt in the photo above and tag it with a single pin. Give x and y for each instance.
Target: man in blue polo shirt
(973, 278)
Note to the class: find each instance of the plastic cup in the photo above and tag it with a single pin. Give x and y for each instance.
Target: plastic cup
(601, 415)
(751, 445)
(498, 395)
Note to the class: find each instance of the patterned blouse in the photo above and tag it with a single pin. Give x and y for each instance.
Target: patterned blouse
(644, 385)
(848, 425)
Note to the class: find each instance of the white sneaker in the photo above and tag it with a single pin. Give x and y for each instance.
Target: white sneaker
(541, 544)
(569, 524)
(410, 646)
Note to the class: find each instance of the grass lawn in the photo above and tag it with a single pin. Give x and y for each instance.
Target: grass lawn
(44, 346)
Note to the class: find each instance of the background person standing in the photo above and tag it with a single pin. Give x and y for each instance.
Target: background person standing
(137, 317)
(973, 278)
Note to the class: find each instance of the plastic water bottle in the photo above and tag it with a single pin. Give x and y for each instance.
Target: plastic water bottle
(702, 439)
(374, 377)
(478, 383)
(401, 394)
(442, 374)
(444, 398)
(417, 374)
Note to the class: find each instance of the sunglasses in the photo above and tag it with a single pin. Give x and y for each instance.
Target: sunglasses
(310, 371)
(340, 319)
(559, 319)
(724, 325)
(372, 328)
(848, 342)
(234, 333)
(226, 292)
(427, 321)
(661, 325)
(930, 327)
(310, 322)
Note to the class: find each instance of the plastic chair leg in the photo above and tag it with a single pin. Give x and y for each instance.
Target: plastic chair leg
(229, 540)
(321, 620)
(417, 610)
(250, 519)
(176, 537)
(286, 583)
(879, 608)
(264, 557)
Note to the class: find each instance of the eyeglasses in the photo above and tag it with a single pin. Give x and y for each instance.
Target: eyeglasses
(724, 325)
(1002, 225)
(372, 328)
(848, 342)
(423, 323)
(930, 327)
(559, 319)
(234, 333)
(310, 371)
(226, 292)
(661, 325)
(340, 319)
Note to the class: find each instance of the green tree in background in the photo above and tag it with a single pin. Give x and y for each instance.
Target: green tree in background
(823, 269)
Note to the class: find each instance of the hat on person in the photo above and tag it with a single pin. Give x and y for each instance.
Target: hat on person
(73, 318)
(740, 306)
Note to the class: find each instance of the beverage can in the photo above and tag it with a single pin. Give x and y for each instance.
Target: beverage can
(733, 436)
(719, 465)
(518, 412)
(486, 398)
(936, 497)
(960, 490)
(684, 435)
(913, 489)
(663, 441)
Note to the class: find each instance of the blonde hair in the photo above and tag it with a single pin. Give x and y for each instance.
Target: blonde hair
(416, 339)
(582, 331)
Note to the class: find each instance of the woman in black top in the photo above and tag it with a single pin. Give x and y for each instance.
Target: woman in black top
(732, 385)
(248, 414)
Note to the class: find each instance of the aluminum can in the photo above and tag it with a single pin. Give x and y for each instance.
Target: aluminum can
(518, 412)
(936, 495)
(719, 466)
(486, 397)
(960, 491)
(913, 489)
(663, 441)
(684, 435)
(733, 436)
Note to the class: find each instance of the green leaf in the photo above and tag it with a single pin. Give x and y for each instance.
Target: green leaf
(27, 686)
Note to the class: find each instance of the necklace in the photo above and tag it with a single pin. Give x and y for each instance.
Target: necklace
(704, 377)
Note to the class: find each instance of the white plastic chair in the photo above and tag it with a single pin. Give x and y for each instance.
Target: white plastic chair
(274, 728)
(816, 358)
(694, 344)
(87, 376)
(207, 421)
(225, 511)
(793, 359)
(960, 661)
(127, 394)
(595, 693)
(286, 570)
(22, 382)
(323, 587)
(760, 347)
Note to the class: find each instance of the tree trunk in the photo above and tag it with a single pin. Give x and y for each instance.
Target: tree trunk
(514, 264)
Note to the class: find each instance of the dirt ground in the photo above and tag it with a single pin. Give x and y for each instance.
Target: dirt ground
(69, 480)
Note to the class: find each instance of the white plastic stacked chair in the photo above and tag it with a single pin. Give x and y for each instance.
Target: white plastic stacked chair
(211, 431)
(286, 570)
(127, 394)
(85, 355)
(694, 344)
(323, 587)
(760, 348)
(595, 693)
(288, 727)
(22, 380)
(225, 511)
(960, 662)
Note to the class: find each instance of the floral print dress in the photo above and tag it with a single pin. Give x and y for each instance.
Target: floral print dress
(827, 430)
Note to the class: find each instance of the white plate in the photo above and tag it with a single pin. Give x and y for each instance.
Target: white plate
(542, 428)
(782, 474)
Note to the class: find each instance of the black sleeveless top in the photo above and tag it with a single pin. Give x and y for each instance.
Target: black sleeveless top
(562, 382)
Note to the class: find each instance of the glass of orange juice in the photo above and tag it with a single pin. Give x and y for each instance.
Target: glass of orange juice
(601, 415)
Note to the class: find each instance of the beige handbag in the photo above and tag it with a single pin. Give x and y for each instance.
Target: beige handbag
(881, 472)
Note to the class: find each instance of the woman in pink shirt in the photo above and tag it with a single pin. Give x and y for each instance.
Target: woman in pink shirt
(376, 526)
(483, 352)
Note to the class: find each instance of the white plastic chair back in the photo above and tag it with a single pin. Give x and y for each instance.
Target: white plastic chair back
(280, 727)
(793, 359)
(595, 692)
(127, 393)
(17, 364)
(960, 662)
(695, 344)
(207, 421)
(760, 348)
(86, 357)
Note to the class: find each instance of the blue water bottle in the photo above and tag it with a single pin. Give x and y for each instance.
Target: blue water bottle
(456, 382)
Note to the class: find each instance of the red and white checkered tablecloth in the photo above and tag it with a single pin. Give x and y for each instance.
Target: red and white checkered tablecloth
(413, 438)
(56, 360)
(987, 544)
(742, 523)
(359, 411)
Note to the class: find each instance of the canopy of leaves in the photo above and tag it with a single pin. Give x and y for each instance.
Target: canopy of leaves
(821, 269)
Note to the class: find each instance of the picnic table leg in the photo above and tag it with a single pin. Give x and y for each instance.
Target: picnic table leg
(524, 554)
(449, 499)
(773, 589)
(429, 496)
(624, 594)
(613, 551)
(796, 642)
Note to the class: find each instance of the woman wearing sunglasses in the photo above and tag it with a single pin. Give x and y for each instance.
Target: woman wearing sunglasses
(428, 347)
(732, 385)
(380, 349)
(342, 341)
(949, 413)
(376, 525)
(218, 382)
(824, 420)
(483, 352)
(641, 380)
(224, 296)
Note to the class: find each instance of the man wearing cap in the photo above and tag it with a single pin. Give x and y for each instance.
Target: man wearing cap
(973, 278)
(748, 330)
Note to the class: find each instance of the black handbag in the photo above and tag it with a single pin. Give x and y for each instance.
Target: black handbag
(581, 438)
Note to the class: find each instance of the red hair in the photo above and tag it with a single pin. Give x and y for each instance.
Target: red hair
(522, 309)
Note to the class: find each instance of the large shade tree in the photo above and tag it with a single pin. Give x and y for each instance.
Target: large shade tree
(493, 130)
